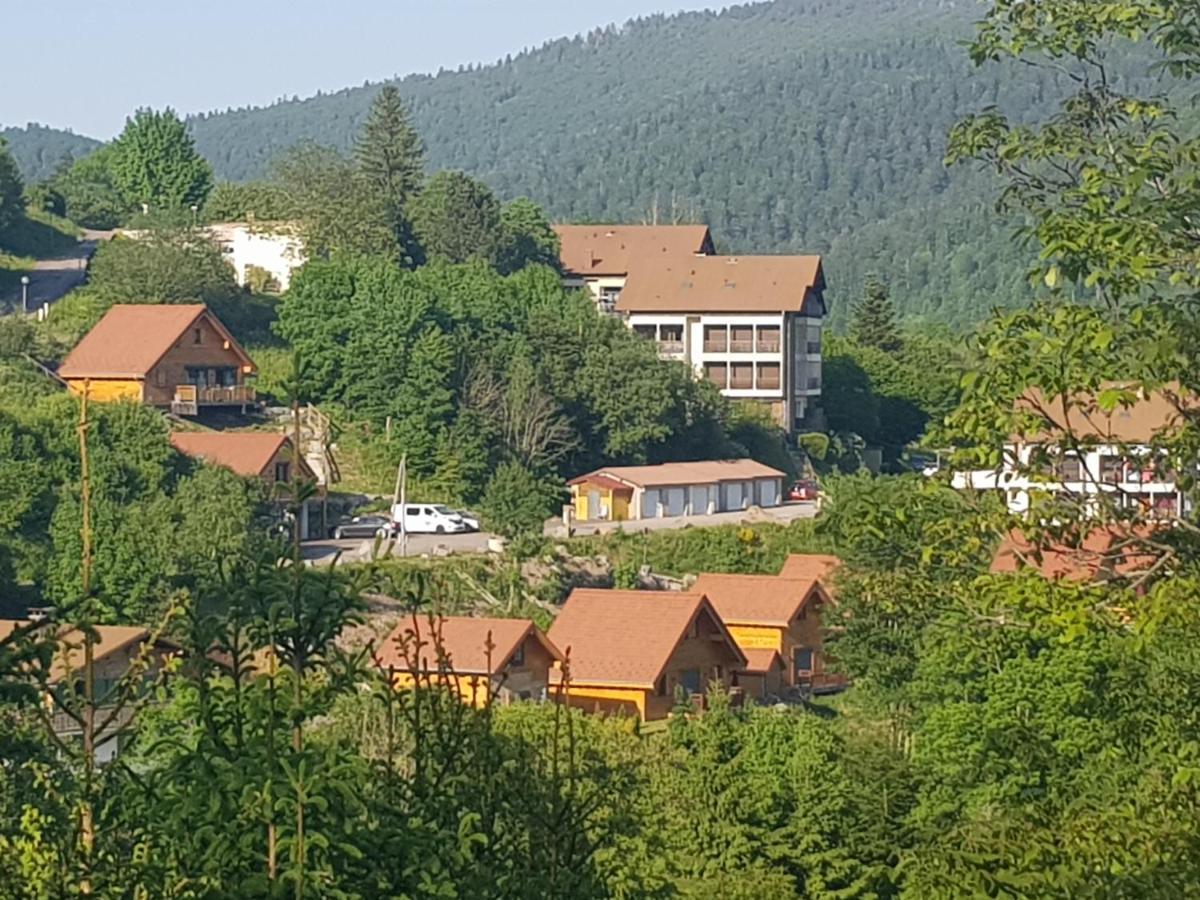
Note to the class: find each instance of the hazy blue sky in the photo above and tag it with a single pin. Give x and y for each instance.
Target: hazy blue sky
(85, 65)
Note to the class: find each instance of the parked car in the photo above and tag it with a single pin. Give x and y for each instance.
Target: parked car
(469, 519)
(803, 490)
(429, 518)
(361, 527)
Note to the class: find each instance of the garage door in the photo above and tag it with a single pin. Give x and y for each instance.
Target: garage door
(768, 492)
(650, 504)
(699, 505)
(675, 501)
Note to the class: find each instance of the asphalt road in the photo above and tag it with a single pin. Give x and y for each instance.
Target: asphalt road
(53, 278)
(360, 550)
(789, 512)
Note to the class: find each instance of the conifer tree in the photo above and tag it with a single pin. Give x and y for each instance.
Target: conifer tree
(389, 151)
(873, 321)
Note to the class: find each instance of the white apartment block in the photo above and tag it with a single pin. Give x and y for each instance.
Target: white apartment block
(750, 324)
(1114, 465)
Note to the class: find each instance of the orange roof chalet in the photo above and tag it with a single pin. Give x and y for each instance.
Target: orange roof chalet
(1139, 422)
(133, 337)
(247, 453)
(464, 642)
(627, 637)
(759, 599)
(596, 250)
(809, 565)
(68, 657)
(723, 284)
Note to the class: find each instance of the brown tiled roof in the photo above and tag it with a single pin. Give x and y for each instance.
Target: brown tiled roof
(601, 481)
(247, 453)
(69, 655)
(595, 250)
(626, 637)
(132, 338)
(761, 660)
(1101, 554)
(722, 284)
(1137, 423)
(68, 659)
(683, 473)
(464, 641)
(758, 599)
(810, 565)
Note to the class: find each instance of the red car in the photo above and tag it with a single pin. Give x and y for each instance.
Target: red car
(803, 490)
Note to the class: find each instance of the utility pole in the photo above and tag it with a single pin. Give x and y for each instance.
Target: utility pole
(400, 501)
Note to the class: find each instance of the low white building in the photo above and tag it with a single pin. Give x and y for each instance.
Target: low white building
(622, 493)
(275, 248)
(750, 324)
(1100, 459)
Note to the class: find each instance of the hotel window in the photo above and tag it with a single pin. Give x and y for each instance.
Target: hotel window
(647, 331)
(741, 338)
(741, 376)
(814, 383)
(716, 338)
(768, 376)
(1070, 469)
(717, 373)
(768, 339)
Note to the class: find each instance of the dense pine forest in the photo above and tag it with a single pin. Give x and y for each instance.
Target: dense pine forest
(796, 125)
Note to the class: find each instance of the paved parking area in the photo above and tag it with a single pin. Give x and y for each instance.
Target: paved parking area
(360, 549)
(789, 512)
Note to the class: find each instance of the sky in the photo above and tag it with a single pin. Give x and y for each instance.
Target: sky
(85, 65)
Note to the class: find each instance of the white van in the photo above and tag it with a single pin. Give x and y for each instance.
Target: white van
(428, 518)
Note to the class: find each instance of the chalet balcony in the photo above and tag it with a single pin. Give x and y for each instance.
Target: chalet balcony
(767, 383)
(189, 398)
(741, 346)
(716, 346)
(768, 346)
(670, 348)
(741, 384)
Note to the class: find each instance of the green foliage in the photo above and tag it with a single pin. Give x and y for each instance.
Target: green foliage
(12, 205)
(456, 219)
(161, 266)
(517, 502)
(261, 201)
(90, 192)
(873, 319)
(389, 152)
(154, 162)
(339, 210)
(527, 237)
(473, 368)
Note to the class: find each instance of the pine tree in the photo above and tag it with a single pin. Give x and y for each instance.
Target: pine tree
(873, 321)
(389, 151)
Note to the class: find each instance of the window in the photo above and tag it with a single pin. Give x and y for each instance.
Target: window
(768, 376)
(741, 338)
(1070, 469)
(670, 333)
(690, 680)
(197, 336)
(768, 339)
(282, 471)
(646, 331)
(716, 338)
(608, 297)
(814, 383)
(518, 657)
(160, 377)
(1111, 469)
(741, 376)
(814, 348)
(802, 657)
(716, 373)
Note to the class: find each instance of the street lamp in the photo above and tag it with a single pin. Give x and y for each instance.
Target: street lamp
(195, 213)
(25, 294)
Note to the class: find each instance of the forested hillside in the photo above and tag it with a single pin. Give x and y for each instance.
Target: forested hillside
(40, 150)
(795, 125)
(815, 125)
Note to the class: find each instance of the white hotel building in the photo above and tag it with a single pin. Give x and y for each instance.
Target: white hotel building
(750, 324)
